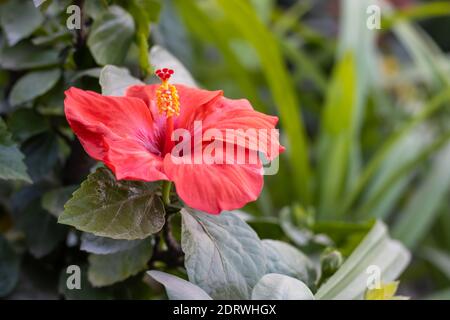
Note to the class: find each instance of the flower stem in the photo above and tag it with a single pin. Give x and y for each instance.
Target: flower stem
(166, 192)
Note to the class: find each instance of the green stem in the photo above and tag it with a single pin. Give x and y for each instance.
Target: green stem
(166, 192)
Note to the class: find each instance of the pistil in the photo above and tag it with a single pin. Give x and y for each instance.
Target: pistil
(168, 104)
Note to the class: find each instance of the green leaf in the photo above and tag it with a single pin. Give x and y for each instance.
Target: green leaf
(9, 267)
(25, 123)
(376, 249)
(53, 201)
(19, 18)
(223, 255)
(27, 56)
(11, 159)
(32, 85)
(111, 36)
(115, 81)
(281, 287)
(285, 259)
(41, 229)
(161, 58)
(420, 212)
(107, 269)
(102, 245)
(177, 288)
(41, 154)
(117, 209)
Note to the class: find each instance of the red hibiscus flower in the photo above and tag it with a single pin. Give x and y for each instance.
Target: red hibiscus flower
(134, 136)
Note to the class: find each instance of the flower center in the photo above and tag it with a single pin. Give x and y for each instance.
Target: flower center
(167, 99)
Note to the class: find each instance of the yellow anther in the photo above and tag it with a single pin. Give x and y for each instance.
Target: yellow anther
(167, 98)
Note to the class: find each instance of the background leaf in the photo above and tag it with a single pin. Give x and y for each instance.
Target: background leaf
(53, 201)
(41, 154)
(114, 81)
(106, 269)
(24, 55)
(102, 245)
(9, 267)
(111, 36)
(11, 159)
(19, 18)
(42, 232)
(32, 85)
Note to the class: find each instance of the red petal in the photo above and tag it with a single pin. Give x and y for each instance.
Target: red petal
(252, 129)
(193, 105)
(192, 102)
(116, 130)
(214, 188)
(130, 161)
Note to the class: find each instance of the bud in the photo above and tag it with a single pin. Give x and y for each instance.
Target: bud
(330, 262)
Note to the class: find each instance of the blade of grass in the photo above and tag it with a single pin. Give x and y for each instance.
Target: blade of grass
(404, 170)
(336, 134)
(374, 164)
(419, 214)
(304, 64)
(340, 154)
(207, 28)
(438, 258)
(423, 50)
(416, 12)
(241, 15)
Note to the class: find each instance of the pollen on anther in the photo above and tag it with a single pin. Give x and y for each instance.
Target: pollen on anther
(167, 99)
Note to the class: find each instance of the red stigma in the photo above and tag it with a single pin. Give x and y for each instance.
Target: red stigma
(164, 74)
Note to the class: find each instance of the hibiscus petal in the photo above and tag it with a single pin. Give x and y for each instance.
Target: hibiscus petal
(116, 130)
(130, 161)
(192, 101)
(215, 187)
(147, 93)
(243, 126)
